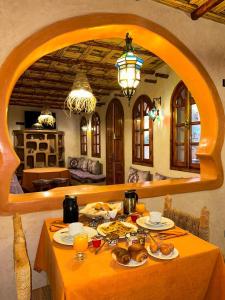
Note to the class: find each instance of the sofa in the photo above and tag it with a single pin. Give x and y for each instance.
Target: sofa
(83, 170)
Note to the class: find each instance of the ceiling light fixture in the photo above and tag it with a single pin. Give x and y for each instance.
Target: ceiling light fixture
(46, 118)
(129, 69)
(80, 98)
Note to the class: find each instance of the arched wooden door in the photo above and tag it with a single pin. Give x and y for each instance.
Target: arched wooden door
(115, 143)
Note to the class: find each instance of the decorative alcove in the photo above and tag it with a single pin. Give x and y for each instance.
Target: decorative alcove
(154, 38)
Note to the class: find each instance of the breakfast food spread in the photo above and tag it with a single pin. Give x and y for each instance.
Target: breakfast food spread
(122, 255)
(118, 228)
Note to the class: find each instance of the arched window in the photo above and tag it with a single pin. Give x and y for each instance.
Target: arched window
(83, 136)
(95, 135)
(142, 132)
(185, 130)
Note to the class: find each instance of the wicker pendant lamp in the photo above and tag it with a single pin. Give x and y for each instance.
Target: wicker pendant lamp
(46, 117)
(80, 98)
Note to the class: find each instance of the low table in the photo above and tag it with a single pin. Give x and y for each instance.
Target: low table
(30, 175)
(198, 273)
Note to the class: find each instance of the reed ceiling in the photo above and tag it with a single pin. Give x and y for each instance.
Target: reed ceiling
(210, 9)
(49, 80)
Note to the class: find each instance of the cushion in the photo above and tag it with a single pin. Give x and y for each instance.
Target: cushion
(159, 176)
(80, 162)
(73, 162)
(136, 175)
(86, 175)
(15, 187)
(132, 175)
(84, 165)
(95, 167)
(89, 165)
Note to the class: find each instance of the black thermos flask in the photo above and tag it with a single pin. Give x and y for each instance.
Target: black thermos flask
(70, 209)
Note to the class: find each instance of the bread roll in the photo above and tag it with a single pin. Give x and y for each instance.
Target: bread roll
(166, 249)
(122, 255)
(138, 252)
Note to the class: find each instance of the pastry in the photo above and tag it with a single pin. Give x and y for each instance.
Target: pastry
(154, 247)
(122, 255)
(166, 249)
(138, 252)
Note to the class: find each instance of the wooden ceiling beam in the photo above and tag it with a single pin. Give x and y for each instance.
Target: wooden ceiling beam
(204, 8)
(151, 80)
(162, 75)
(62, 72)
(72, 62)
(45, 92)
(118, 48)
(66, 86)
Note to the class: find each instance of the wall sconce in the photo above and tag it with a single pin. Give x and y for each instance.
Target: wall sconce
(154, 112)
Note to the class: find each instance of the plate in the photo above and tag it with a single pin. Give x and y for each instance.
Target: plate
(62, 236)
(99, 228)
(159, 254)
(132, 263)
(166, 223)
(91, 212)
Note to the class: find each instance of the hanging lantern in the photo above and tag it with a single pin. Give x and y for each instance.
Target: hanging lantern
(154, 112)
(46, 118)
(80, 98)
(129, 69)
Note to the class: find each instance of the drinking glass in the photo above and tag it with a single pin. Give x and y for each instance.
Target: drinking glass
(80, 245)
(140, 208)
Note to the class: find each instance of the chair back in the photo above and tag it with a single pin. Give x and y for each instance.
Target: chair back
(21, 261)
(197, 226)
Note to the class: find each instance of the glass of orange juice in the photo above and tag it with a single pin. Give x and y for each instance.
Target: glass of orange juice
(140, 208)
(80, 245)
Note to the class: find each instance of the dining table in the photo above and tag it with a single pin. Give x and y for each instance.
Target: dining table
(197, 273)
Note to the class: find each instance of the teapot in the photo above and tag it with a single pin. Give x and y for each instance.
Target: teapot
(129, 202)
(70, 209)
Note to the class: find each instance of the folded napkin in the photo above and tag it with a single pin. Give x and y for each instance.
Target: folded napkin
(56, 225)
(172, 233)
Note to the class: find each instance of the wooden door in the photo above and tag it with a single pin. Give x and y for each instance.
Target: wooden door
(115, 143)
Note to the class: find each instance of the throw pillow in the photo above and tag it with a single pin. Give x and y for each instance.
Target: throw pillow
(80, 162)
(73, 162)
(84, 165)
(89, 166)
(96, 167)
(159, 176)
(132, 175)
(143, 176)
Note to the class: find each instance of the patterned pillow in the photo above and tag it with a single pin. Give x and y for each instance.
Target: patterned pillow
(80, 162)
(96, 167)
(73, 162)
(89, 165)
(132, 175)
(84, 165)
(159, 176)
(143, 176)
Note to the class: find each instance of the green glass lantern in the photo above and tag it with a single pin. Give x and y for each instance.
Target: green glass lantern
(129, 69)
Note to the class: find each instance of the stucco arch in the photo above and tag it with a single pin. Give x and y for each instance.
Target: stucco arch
(150, 36)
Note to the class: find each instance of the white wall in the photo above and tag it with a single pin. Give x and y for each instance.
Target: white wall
(205, 38)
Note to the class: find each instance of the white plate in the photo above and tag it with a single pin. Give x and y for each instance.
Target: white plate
(90, 212)
(99, 228)
(159, 254)
(132, 263)
(166, 223)
(62, 236)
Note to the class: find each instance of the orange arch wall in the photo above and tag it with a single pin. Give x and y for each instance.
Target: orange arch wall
(152, 37)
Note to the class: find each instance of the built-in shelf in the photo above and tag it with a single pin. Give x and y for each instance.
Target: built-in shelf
(37, 149)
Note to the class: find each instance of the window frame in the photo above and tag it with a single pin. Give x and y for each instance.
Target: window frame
(83, 135)
(135, 160)
(187, 165)
(95, 124)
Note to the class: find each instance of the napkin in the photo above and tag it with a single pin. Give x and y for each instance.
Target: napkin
(171, 233)
(56, 225)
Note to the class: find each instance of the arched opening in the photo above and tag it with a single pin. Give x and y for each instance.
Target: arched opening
(150, 36)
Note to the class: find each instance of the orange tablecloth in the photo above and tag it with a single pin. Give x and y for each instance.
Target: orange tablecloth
(42, 173)
(198, 273)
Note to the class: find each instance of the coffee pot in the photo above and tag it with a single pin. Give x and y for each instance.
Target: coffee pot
(70, 209)
(129, 202)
